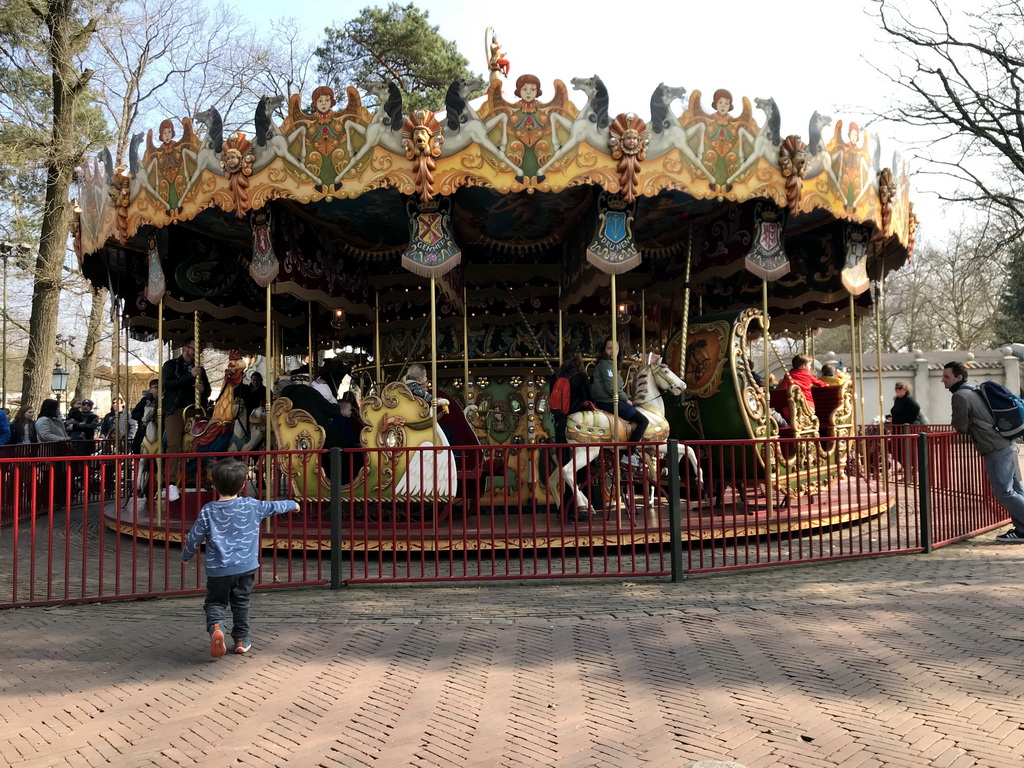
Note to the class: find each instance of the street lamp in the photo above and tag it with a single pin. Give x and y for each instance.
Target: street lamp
(59, 382)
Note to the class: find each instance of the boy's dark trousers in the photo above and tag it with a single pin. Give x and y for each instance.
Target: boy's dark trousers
(222, 591)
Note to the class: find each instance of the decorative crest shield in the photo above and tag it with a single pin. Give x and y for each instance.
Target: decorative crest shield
(432, 251)
(156, 283)
(767, 258)
(264, 266)
(855, 266)
(613, 250)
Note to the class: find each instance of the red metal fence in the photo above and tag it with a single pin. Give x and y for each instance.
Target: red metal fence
(95, 526)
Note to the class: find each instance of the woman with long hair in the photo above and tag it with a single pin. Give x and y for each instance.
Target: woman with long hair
(603, 390)
(49, 426)
(23, 428)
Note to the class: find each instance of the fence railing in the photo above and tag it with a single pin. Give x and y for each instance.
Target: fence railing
(98, 526)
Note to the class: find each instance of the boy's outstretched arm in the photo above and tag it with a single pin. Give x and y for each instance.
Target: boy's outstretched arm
(268, 508)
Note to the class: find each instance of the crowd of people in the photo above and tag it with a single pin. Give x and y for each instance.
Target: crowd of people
(81, 423)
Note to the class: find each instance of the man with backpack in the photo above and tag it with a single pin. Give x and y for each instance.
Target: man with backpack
(971, 416)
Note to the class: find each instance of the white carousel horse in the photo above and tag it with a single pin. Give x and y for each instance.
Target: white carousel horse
(463, 126)
(383, 130)
(139, 180)
(765, 144)
(249, 429)
(667, 133)
(272, 143)
(151, 444)
(817, 148)
(591, 125)
(208, 156)
(591, 431)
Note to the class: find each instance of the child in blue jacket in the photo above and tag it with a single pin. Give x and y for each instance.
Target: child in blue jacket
(231, 528)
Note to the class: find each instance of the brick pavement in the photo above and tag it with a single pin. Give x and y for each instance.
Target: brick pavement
(900, 661)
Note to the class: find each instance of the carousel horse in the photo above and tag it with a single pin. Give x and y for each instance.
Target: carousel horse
(207, 157)
(463, 126)
(249, 429)
(591, 125)
(383, 130)
(592, 431)
(151, 445)
(396, 422)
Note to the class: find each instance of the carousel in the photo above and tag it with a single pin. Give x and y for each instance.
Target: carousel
(486, 240)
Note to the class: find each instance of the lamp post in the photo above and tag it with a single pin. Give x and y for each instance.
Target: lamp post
(59, 382)
(59, 377)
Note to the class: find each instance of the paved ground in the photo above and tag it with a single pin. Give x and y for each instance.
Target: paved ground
(901, 661)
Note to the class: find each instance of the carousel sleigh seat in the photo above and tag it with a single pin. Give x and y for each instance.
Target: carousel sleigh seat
(395, 422)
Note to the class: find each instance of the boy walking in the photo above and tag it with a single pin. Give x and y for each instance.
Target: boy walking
(231, 528)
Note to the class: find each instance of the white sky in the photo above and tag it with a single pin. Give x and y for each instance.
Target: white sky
(807, 54)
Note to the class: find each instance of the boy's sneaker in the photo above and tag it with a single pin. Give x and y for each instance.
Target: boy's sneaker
(217, 648)
(1010, 537)
(242, 645)
(172, 493)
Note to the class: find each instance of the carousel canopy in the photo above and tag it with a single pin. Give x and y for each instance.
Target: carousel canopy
(521, 207)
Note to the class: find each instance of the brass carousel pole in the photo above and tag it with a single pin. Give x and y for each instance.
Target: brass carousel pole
(853, 372)
(643, 327)
(465, 346)
(686, 305)
(769, 479)
(268, 383)
(160, 411)
(116, 387)
(878, 357)
(433, 346)
(561, 331)
(615, 368)
(376, 340)
(195, 340)
(309, 339)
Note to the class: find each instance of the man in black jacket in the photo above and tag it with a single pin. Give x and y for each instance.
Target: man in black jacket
(182, 378)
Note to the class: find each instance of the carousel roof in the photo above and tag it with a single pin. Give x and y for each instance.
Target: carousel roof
(522, 206)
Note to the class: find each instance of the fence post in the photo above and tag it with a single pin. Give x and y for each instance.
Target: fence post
(336, 457)
(924, 499)
(674, 513)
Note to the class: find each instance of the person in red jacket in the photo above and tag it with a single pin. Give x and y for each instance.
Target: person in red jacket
(803, 378)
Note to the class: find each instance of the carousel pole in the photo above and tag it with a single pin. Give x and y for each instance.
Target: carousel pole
(376, 339)
(615, 368)
(561, 331)
(879, 297)
(465, 345)
(160, 411)
(309, 339)
(643, 326)
(116, 388)
(769, 483)
(268, 383)
(686, 304)
(433, 346)
(195, 340)
(853, 363)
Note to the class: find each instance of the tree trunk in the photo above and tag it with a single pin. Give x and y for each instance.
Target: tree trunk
(67, 36)
(90, 353)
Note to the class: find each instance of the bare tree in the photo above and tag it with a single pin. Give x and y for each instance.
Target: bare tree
(962, 68)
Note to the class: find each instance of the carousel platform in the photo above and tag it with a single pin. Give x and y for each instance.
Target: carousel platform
(454, 526)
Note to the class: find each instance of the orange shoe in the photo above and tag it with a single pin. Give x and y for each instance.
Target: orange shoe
(217, 648)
